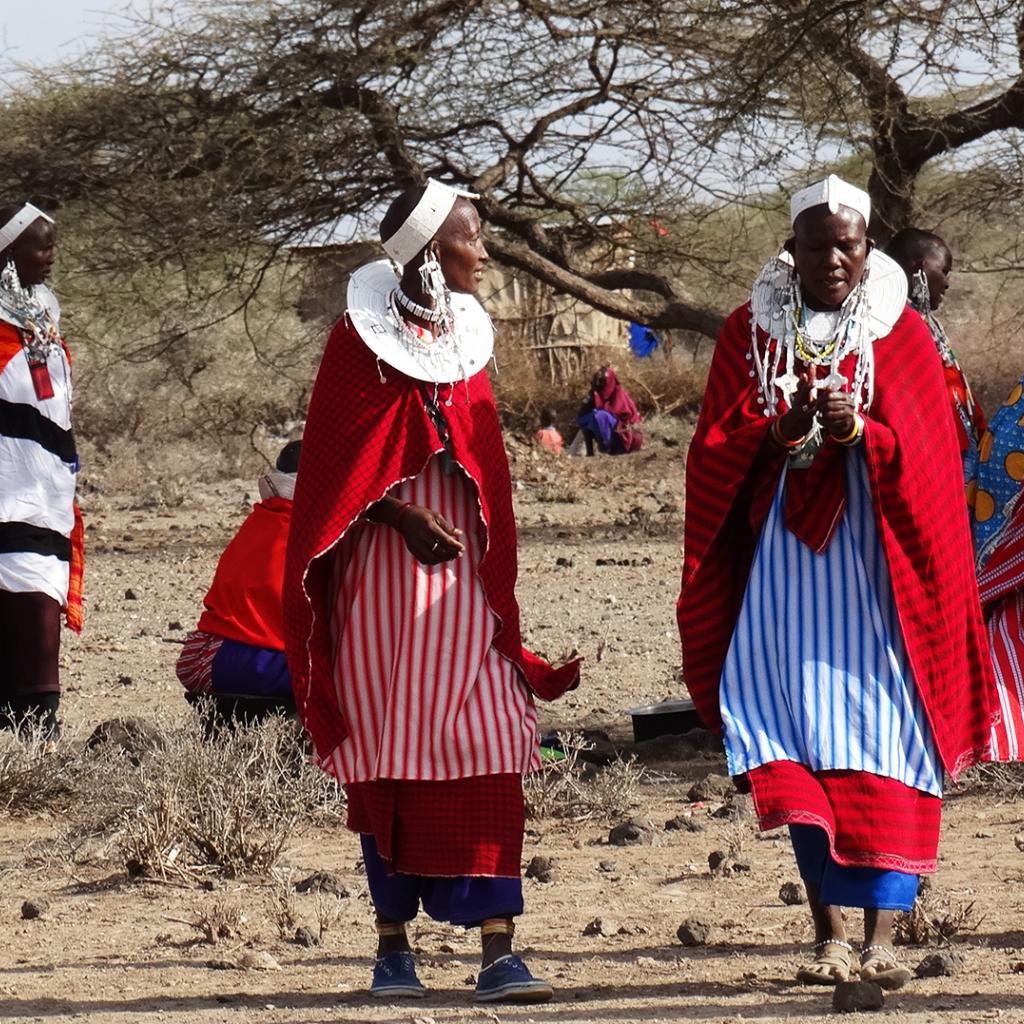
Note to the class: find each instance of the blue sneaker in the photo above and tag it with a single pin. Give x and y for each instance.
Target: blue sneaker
(394, 976)
(509, 980)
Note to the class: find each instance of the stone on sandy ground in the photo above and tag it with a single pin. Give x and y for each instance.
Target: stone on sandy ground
(604, 926)
(305, 937)
(711, 787)
(631, 833)
(683, 823)
(609, 867)
(943, 964)
(33, 908)
(323, 881)
(135, 736)
(247, 960)
(542, 869)
(694, 931)
(792, 894)
(857, 996)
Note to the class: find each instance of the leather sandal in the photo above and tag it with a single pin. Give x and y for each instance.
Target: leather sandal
(879, 964)
(831, 964)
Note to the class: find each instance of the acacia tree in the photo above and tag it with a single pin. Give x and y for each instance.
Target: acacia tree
(603, 135)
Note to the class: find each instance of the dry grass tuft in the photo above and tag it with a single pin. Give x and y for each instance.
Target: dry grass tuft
(935, 919)
(219, 919)
(573, 789)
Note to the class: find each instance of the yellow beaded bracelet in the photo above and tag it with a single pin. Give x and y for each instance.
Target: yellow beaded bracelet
(854, 435)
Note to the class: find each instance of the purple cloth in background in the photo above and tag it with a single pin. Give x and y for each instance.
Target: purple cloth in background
(461, 900)
(601, 424)
(244, 670)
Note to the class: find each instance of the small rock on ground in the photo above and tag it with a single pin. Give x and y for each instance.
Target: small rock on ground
(305, 937)
(694, 931)
(609, 867)
(135, 736)
(604, 926)
(792, 894)
(323, 881)
(711, 787)
(857, 996)
(630, 833)
(683, 823)
(542, 869)
(257, 960)
(943, 964)
(34, 908)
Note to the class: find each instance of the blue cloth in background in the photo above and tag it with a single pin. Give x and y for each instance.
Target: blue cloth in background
(642, 340)
(462, 900)
(244, 670)
(848, 887)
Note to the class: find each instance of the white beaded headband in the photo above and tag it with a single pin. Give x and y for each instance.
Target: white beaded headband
(832, 192)
(423, 223)
(15, 227)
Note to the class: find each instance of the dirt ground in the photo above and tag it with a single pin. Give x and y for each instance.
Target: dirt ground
(600, 553)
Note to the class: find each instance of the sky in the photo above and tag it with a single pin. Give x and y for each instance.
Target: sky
(45, 31)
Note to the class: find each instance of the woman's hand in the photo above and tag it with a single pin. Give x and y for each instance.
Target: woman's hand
(797, 422)
(837, 412)
(430, 538)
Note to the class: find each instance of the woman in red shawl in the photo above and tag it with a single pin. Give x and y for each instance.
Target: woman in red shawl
(610, 417)
(831, 629)
(401, 621)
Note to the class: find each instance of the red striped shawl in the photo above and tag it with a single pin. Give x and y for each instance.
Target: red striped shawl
(364, 435)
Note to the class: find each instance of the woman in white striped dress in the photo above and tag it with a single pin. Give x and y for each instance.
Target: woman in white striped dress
(40, 531)
(829, 619)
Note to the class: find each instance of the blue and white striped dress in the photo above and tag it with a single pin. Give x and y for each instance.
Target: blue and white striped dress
(817, 672)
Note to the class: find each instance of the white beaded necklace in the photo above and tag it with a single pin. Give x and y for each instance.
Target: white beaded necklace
(777, 307)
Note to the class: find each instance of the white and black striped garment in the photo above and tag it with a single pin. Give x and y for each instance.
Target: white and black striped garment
(817, 671)
(38, 466)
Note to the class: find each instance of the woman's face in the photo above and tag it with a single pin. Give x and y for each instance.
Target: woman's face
(829, 252)
(937, 266)
(460, 248)
(34, 252)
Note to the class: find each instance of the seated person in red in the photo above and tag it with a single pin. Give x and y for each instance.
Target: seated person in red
(236, 654)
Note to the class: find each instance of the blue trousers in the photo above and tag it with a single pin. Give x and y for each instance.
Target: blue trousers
(840, 886)
(462, 900)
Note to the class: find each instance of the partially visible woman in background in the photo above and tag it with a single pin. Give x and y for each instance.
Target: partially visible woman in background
(928, 262)
(41, 536)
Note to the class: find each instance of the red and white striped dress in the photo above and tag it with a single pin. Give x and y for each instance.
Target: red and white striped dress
(425, 694)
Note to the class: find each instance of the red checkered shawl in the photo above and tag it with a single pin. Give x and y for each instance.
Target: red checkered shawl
(363, 436)
(917, 482)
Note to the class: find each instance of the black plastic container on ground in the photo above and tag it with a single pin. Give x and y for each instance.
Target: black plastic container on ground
(669, 718)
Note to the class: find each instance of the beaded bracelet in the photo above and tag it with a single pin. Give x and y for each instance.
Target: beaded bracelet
(854, 435)
(778, 438)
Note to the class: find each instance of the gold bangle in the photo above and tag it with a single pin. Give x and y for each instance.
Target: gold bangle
(779, 439)
(854, 434)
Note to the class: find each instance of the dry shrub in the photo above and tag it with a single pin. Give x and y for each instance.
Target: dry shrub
(574, 790)
(36, 775)
(230, 803)
(935, 919)
(219, 919)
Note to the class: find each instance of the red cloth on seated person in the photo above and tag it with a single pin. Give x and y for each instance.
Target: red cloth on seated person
(244, 600)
